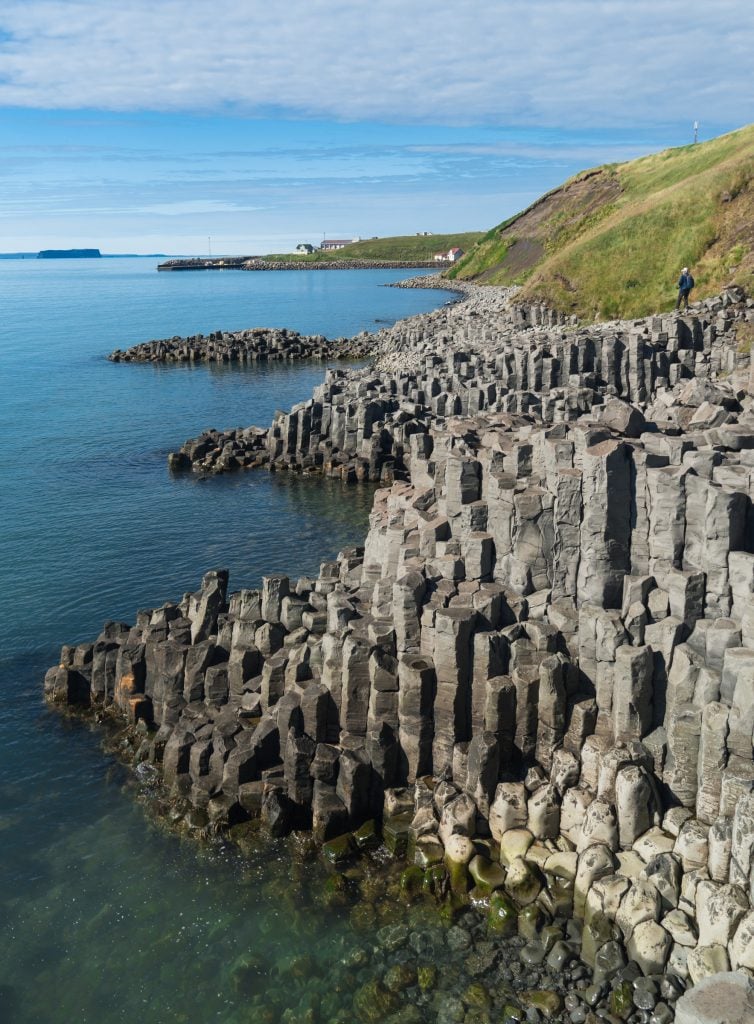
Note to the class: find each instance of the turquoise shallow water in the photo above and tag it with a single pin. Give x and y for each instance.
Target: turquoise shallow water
(103, 917)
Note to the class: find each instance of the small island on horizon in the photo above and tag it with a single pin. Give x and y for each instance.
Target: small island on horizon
(62, 254)
(68, 254)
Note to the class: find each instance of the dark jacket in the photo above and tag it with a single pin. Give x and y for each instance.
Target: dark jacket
(685, 282)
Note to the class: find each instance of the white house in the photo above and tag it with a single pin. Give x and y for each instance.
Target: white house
(329, 244)
(451, 256)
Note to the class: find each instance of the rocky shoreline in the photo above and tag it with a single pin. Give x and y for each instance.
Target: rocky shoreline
(535, 680)
(436, 281)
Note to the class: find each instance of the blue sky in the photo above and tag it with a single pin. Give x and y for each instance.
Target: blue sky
(152, 125)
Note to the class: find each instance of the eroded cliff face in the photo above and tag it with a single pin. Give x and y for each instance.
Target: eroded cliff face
(539, 669)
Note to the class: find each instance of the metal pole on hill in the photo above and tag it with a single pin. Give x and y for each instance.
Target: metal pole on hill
(696, 132)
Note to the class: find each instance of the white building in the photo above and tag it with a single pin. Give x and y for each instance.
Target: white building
(330, 244)
(451, 256)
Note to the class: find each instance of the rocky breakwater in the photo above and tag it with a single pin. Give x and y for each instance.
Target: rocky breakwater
(535, 681)
(336, 264)
(260, 263)
(257, 345)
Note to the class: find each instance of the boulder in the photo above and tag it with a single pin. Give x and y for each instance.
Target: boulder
(741, 946)
(622, 418)
(649, 947)
(719, 998)
(509, 809)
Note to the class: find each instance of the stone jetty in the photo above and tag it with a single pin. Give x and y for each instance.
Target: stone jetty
(258, 345)
(259, 263)
(535, 679)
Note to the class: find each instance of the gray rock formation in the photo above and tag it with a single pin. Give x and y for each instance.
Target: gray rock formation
(547, 636)
(258, 345)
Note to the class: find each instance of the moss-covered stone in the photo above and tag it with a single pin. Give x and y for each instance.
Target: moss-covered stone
(503, 916)
(487, 875)
(286, 893)
(408, 1014)
(428, 851)
(436, 881)
(545, 1000)
(477, 996)
(339, 850)
(395, 833)
(427, 977)
(299, 967)
(457, 858)
(367, 837)
(399, 977)
(512, 1013)
(302, 847)
(411, 883)
(622, 1001)
(335, 892)
(448, 911)
(363, 917)
(385, 913)
(476, 1016)
(393, 936)
(246, 835)
(373, 1002)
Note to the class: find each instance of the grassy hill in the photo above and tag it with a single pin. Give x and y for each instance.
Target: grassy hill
(611, 241)
(401, 247)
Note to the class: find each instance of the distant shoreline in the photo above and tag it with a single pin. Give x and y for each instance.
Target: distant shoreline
(102, 256)
(255, 263)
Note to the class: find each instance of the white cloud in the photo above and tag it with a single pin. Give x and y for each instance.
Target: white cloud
(191, 207)
(502, 61)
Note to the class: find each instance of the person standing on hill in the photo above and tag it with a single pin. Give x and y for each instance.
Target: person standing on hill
(685, 284)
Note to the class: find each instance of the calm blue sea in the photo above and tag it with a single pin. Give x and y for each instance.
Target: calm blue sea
(103, 917)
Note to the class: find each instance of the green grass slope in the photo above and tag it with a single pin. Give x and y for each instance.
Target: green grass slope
(401, 247)
(611, 241)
